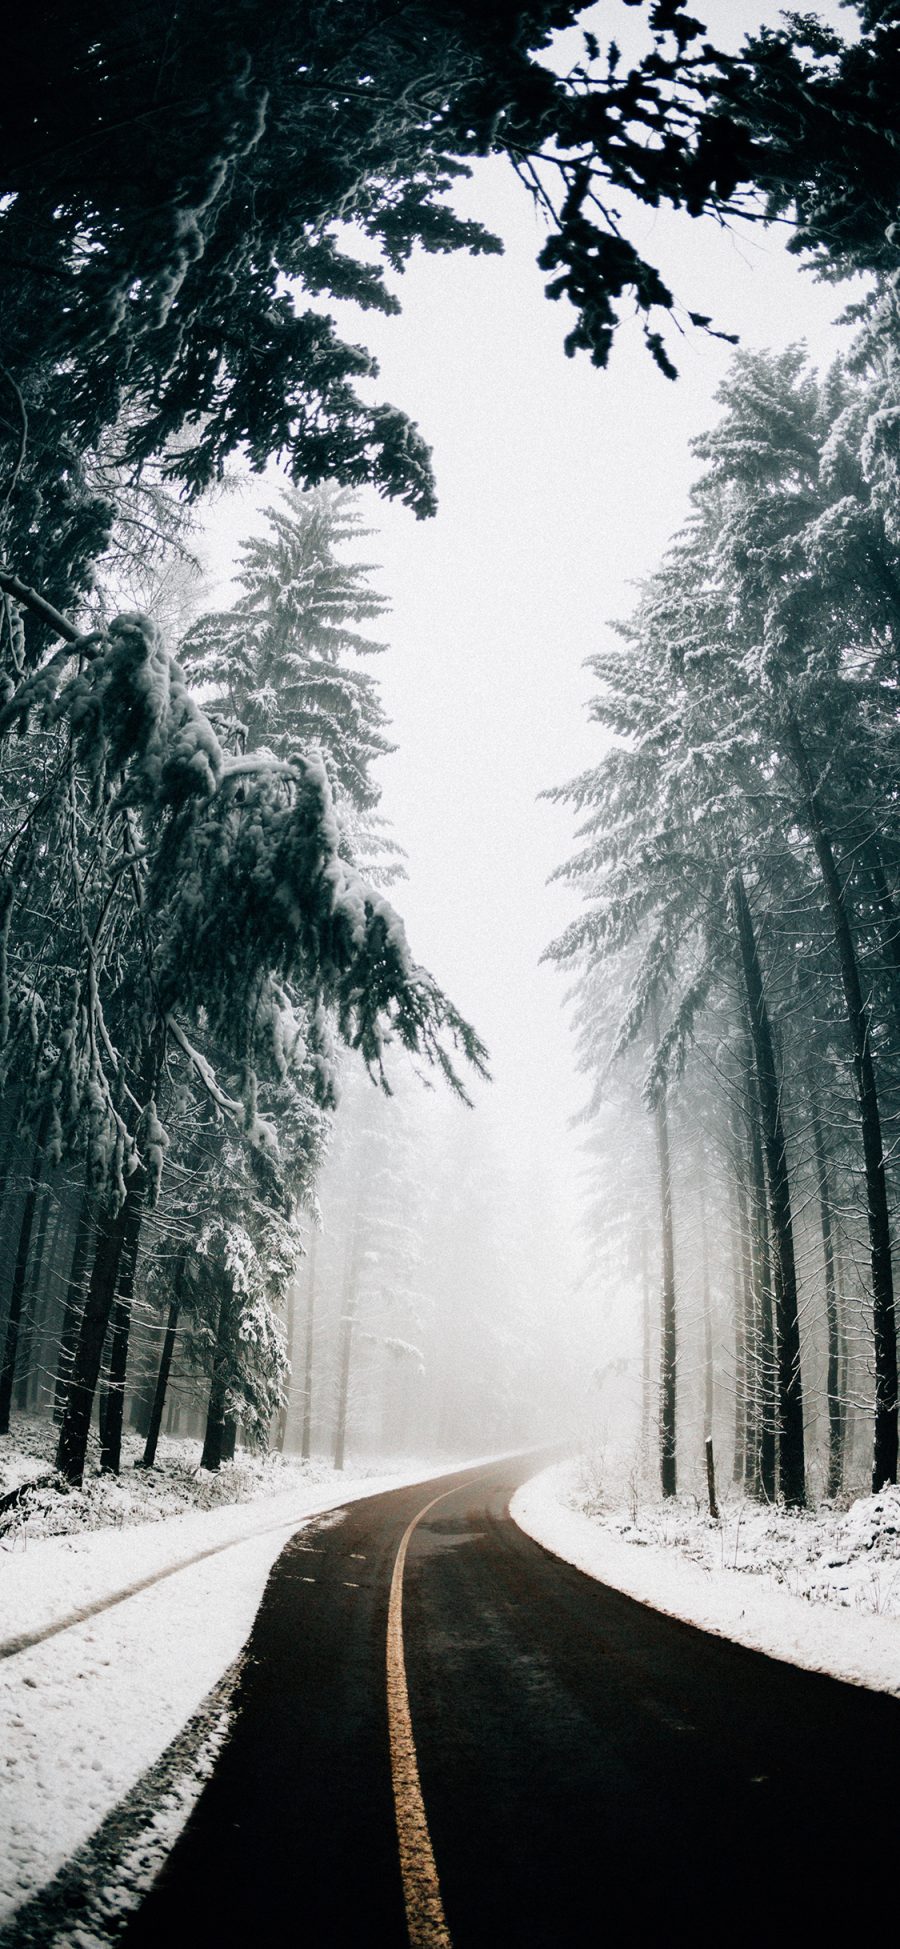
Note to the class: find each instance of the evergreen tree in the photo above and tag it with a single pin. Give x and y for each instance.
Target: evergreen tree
(212, 890)
(282, 663)
(753, 697)
(174, 189)
(812, 569)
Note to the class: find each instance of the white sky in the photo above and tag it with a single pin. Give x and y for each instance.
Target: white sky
(559, 487)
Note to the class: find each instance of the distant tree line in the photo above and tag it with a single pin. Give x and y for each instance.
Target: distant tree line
(425, 1315)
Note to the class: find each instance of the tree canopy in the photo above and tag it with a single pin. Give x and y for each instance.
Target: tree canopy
(182, 193)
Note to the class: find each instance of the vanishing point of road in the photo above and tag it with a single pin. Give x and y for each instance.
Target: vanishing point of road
(519, 1758)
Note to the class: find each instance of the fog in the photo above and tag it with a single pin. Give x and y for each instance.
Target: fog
(529, 1263)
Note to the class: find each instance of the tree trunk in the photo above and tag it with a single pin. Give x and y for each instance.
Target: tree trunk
(111, 1443)
(165, 1367)
(142, 1390)
(56, 1265)
(891, 935)
(112, 1231)
(708, 1369)
(348, 1321)
(20, 1269)
(8, 1144)
(832, 1317)
(844, 1368)
(214, 1438)
(646, 1348)
(29, 1336)
(763, 1414)
(285, 1408)
(72, 1307)
(668, 1338)
(787, 1319)
(711, 1480)
(742, 1285)
(306, 1440)
(162, 1382)
(884, 1457)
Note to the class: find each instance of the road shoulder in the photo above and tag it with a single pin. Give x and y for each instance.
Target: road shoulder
(743, 1607)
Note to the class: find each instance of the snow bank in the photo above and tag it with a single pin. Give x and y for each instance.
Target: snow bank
(808, 1625)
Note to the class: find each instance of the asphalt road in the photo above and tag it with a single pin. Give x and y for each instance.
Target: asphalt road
(592, 1773)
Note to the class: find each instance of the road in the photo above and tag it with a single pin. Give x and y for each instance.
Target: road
(591, 1772)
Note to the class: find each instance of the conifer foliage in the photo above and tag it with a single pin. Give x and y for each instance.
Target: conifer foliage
(281, 668)
(187, 942)
(738, 866)
(179, 191)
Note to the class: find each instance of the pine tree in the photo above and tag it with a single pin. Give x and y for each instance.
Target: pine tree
(174, 191)
(812, 569)
(208, 888)
(754, 699)
(282, 664)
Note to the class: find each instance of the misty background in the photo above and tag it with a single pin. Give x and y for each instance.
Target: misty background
(559, 488)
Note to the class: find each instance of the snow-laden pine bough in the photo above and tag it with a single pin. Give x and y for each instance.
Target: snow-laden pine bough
(185, 942)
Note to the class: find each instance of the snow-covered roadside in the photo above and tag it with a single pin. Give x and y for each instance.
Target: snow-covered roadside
(84, 1714)
(749, 1605)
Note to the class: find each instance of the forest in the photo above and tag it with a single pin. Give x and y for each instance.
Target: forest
(219, 1201)
(735, 968)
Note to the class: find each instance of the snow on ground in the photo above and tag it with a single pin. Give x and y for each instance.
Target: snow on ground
(86, 1712)
(35, 1502)
(109, 1724)
(818, 1588)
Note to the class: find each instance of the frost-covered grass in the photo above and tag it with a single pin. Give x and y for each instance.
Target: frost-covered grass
(176, 1485)
(833, 1555)
(819, 1588)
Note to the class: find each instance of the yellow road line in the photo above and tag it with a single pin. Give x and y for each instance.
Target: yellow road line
(425, 1918)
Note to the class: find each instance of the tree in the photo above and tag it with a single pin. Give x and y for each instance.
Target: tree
(241, 1267)
(668, 1323)
(175, 190)
(818, 110)
(280, 670)
(814, 571)
(282, 663)
(20, 1269)
(787, 1307)
(373, 1194)
(216, 885)
(755, 697)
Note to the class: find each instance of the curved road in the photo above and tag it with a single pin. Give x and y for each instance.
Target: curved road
(591, 1771)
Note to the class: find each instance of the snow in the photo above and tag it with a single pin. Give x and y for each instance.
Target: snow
(88, 1710)
(819, 1589)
